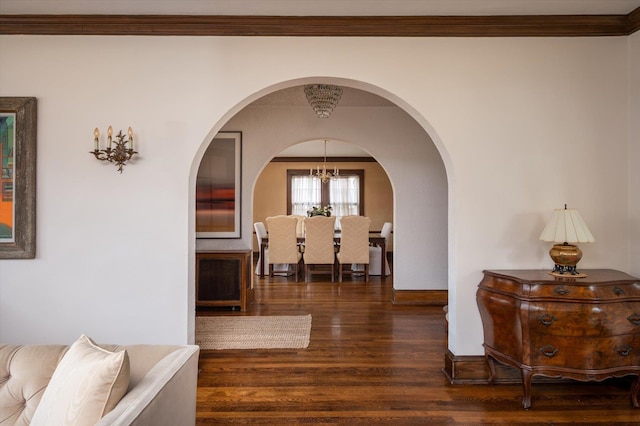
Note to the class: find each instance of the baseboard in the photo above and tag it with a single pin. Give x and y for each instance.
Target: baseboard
(465, 369)
(473, 369)
(420, 297)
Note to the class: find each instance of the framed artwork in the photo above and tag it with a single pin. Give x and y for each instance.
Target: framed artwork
(17, 177)
(218, 188)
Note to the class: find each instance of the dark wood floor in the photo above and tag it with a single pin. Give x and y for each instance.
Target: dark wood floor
(370, 362)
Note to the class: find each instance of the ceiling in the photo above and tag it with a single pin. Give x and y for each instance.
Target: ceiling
(295, 97)
(323, 7)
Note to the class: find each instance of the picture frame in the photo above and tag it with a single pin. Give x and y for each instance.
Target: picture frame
(218, 188)
(18, 130)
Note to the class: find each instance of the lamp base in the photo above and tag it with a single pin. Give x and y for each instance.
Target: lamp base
(559, 275)
(566, 271)
(566, 257)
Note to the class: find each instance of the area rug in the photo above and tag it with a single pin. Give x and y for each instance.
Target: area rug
(253, 332)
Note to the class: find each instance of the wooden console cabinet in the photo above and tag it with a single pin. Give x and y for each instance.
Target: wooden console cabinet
(223, 278)
(585, 329)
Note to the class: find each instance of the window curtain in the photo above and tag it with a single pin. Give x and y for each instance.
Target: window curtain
(305, 193)
(344, 195)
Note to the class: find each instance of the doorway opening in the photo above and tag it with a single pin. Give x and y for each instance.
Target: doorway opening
(281, 118)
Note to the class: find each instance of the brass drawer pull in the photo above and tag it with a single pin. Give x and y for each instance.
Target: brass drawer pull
(618, 291)
(624, 350)
(547, 319)
(549, 350)
(634, 318)
(561, 291)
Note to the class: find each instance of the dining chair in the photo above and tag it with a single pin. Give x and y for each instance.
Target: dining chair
(354, 244)
(300, 225)
(261, 235)
(375, 253)
(319, 246)
(283, 244)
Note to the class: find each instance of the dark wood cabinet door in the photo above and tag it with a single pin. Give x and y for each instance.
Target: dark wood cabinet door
(223, 278)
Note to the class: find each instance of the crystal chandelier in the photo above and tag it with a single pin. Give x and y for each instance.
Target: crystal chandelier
(323, 98)
(323, 174)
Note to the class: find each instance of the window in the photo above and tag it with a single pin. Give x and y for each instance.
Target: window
(305, 193)
(344, 193)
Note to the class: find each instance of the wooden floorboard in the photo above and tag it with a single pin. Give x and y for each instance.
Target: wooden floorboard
(372, 362)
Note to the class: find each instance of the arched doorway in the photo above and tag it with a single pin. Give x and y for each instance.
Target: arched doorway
(389, 133)
(271, 198)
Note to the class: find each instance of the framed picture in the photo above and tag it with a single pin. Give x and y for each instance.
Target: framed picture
(218, 188)
(17, 177)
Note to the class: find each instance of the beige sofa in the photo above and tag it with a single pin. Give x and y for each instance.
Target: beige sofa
(161, 391)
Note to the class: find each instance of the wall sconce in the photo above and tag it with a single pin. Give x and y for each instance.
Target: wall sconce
(566, 226)
(118, 155)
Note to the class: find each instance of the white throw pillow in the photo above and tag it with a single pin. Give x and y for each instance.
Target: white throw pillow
(87, 383)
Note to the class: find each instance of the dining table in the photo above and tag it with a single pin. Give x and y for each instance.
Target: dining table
(374, 239)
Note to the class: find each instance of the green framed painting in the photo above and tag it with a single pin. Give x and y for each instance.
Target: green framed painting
(17, 177)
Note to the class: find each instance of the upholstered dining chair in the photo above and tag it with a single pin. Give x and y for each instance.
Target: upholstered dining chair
(319, 247)
(354, 244)
(261, 234)
(300, 225)
(375, 253)
(283, 243)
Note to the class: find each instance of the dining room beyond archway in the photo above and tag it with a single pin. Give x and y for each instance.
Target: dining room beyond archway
(288, 183)
(404, 151)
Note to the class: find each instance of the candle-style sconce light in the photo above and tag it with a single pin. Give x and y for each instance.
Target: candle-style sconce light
(120, 154)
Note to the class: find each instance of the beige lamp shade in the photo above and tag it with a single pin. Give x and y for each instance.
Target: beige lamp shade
(567, 226)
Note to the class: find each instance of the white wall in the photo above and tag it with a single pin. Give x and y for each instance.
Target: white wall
(523, 126)
(634, 154)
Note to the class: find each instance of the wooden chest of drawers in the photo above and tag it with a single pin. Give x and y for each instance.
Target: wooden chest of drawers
(578, 328)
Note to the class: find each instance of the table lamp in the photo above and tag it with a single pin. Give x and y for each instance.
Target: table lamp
(566, 226)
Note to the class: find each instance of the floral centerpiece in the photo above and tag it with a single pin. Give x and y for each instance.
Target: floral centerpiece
(320, 211)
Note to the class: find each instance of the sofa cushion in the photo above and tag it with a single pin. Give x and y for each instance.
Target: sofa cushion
(87, 383)
(25, 372)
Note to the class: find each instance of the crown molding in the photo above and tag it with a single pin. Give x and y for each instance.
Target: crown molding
(327, 26)
(321, 159)
(633, 21)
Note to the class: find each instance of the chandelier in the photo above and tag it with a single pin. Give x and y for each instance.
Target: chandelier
(323, 174)
(323, 98)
